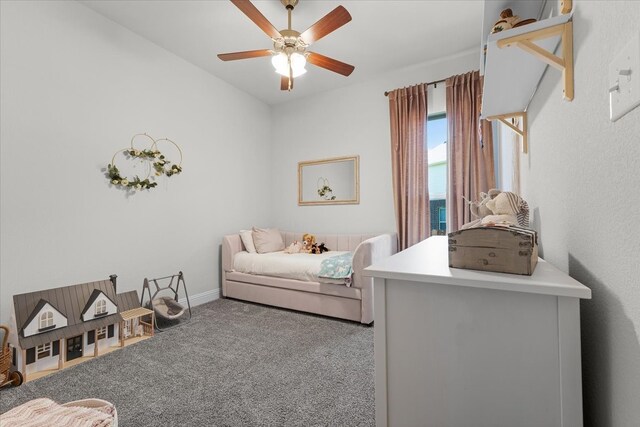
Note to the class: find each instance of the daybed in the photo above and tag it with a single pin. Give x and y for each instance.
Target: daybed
(354, 302)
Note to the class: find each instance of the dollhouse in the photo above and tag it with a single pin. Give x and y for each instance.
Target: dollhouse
(58, 327)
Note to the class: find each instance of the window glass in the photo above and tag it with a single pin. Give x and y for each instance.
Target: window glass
(102, 333)
(436, 136)
(46, 319)
(43, 350)
(101, 307)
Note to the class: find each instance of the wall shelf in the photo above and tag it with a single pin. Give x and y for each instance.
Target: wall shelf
(492, 8)
(515, 62)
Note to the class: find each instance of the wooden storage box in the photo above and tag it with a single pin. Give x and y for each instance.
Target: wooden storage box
(500, 249)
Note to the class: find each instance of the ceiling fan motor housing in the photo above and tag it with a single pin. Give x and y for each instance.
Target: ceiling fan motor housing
(289, 4)
(290, 42)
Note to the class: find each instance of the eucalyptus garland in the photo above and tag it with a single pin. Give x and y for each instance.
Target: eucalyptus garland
(160, 164)
(324, 191)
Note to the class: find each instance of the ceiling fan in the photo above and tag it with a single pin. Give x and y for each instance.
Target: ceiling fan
(289, 53)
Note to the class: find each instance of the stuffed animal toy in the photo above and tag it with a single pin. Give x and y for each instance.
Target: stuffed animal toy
(506, 22)
(479, 209)
(508, 209)
(318, 249)
(294, 248)
(308, 240)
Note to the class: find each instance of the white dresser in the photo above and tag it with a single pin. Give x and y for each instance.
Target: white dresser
(464, 348)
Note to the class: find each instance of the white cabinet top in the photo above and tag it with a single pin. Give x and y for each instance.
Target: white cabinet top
(428, 261)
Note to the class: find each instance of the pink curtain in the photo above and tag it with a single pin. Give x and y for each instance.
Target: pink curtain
(408, 111)
(470, 141)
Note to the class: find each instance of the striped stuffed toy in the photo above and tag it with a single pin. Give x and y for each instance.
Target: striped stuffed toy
(45, 412)
(508, 209)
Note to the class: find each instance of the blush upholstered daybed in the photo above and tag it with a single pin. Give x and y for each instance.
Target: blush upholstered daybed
(352, 301)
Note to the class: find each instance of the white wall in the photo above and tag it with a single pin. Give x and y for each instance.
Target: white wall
(583, 182)
(507, 146)
(349, 121)
(74, 88)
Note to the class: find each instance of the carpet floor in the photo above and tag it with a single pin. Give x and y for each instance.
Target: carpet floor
(234, 364)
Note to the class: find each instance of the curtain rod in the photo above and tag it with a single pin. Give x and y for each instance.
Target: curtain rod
(435, 83)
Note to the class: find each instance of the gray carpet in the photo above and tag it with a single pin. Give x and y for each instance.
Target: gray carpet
(235, 364)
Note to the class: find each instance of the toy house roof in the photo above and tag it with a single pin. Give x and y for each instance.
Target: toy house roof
(127, 301)
(37, 309)
(94, 295)
(68, 300)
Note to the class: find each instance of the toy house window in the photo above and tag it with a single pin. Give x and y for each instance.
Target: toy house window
(101, 307)
(102, 333)
(43, 350)
(46, 320)
(31, 355)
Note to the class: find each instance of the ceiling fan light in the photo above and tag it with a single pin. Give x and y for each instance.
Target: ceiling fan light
(298, 72)
(281, 63)
(298, 61)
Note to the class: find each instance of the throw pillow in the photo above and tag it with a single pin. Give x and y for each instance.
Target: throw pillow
(267, 240)
(247, 241)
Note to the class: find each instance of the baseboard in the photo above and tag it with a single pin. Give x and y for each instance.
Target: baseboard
(201, 298)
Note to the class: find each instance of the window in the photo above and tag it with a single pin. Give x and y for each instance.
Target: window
(442, 218)
(102, 333)
(437, 156)
(31, 355)
(101, 307)
(43, 350)
(46, 320)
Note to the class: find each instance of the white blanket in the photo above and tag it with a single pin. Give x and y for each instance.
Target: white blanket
(303, 266)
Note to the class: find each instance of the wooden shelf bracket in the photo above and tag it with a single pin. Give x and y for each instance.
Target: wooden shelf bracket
(564, 63)
(522, 130)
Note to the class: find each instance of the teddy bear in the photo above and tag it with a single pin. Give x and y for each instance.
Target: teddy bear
(318, 249)
(507, 209)
(308, 240)
(479, 209)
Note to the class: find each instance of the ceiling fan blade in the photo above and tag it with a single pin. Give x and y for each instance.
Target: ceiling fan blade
(284, 83)
(258, 18)
(330, 64)
(244, 55)
(327, 24)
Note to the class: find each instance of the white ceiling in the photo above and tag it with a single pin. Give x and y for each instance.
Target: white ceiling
(383, 35)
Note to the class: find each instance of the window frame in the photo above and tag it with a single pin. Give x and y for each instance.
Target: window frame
(43, 350)
(101, 308)
(45, 320)
(101, 333)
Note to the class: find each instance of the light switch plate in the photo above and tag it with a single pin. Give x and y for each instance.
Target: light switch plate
(624, 80)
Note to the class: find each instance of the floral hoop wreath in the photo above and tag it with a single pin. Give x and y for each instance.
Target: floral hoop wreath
(324, 190)
(159, 162)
